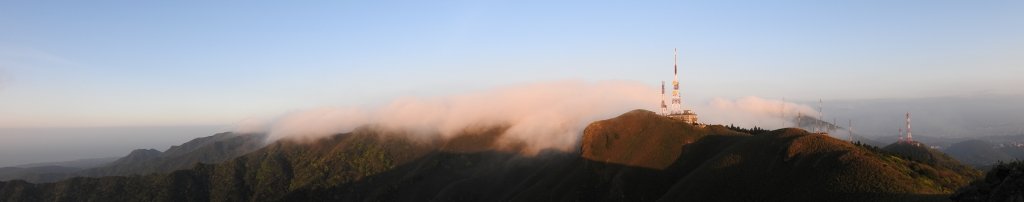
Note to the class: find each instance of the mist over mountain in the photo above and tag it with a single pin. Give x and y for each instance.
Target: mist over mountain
(543, 115)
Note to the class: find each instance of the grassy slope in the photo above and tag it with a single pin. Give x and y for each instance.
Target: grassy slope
(642, 138)
(791, 164)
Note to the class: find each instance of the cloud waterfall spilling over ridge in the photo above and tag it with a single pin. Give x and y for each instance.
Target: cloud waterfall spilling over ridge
(547, 115)
(757, 111)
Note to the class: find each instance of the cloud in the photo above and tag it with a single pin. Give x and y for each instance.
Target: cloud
(754, 111)
(547, 115)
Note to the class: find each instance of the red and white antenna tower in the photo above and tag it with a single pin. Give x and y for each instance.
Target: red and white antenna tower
(676, 101)
(910, 137)
(900, 139)
(664, 108)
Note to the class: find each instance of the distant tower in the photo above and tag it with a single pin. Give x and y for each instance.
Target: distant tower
(664, 108)
(834, 126)
(901, 135)
(799, 120)
(677, 102)
(910, 137)
(821, 117)
(849, 129)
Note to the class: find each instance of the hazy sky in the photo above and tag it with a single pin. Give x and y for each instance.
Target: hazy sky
(130, 63)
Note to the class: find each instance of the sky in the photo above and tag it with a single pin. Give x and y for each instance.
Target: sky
(77, 64)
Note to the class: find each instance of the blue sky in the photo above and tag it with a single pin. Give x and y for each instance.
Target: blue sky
(129, 63)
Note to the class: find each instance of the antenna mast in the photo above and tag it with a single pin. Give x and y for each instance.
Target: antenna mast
(676, 101)
(910, 138)
(799, 120)
(664, 108)
(900, 136)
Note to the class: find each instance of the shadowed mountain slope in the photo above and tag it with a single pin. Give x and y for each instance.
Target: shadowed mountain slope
(703, 164)
(1004, 182)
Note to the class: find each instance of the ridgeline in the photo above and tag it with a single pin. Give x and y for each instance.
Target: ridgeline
(637, 156)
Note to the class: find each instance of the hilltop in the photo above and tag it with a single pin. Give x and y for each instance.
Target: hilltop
(643, 138)
(637, 156)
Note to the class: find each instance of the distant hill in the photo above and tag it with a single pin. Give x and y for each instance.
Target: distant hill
(80, 163)
(38, 173)
(637, 156)
(982, 153)
(212, 149)
(977, 153)
(50, 171)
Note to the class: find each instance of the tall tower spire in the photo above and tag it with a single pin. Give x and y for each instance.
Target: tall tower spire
(664, 108)
(676, 100)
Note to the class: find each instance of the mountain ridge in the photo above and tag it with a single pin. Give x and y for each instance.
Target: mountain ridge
(369, 164)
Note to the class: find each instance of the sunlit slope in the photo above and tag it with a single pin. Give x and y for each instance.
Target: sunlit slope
(643, 138)
(792, 164)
